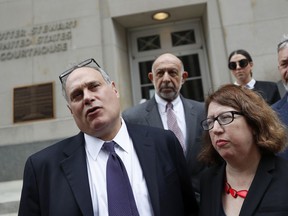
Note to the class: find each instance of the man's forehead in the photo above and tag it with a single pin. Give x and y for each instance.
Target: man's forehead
(85, 71)
(166, 63)
(167, 68)
(84, 75)
(167, 58)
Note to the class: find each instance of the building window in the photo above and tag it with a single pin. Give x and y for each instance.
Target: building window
(33, 103)
(148, 43)
(181, 38)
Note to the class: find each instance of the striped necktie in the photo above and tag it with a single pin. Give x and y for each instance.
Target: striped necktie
(173, 125)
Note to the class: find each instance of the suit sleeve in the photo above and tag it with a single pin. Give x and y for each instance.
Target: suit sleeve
(190, 203)
(276, 95)
(29, 202)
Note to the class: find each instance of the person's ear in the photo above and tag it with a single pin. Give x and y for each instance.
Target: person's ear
(184, 76)
(150, 76)
(70, 109)
(115, 89)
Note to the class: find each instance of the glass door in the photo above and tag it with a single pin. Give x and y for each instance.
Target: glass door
(181, 39)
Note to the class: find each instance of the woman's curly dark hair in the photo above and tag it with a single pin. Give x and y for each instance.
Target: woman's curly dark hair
(269, 133)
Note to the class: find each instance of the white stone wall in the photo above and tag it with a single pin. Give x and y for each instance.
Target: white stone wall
(101, 32)
(257, 26)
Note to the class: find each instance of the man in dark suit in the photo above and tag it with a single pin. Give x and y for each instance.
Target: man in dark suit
(168, 76)
(69, 178)
(281, 106)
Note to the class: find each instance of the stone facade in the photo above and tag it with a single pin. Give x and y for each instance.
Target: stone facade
(40, 39)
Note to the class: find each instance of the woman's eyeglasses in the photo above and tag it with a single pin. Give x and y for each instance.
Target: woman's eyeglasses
(223, 119)
(242, 64)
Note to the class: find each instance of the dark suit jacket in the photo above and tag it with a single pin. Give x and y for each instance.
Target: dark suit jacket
(147, 114)
(281, 108)
(267, 195)
(56, 179)
(268, 90)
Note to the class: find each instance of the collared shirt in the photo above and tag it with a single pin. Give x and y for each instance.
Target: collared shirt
(178, 109)
(96, 165)
(249, 85)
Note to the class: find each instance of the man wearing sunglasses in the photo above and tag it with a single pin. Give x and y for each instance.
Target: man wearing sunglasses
(241, 64)
(110, 167)
(281, 106)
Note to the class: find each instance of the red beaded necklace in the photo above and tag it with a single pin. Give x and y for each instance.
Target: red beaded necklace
(233, 192)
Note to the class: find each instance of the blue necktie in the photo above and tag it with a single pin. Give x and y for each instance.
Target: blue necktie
(119, 192)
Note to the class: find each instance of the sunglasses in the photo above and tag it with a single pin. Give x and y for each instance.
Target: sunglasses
(65, 74)
(242, 64)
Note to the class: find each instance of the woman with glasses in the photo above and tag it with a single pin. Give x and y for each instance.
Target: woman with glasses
(242, 136)
(241, 64)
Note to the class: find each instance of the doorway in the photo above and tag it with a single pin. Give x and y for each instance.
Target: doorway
(183, 39)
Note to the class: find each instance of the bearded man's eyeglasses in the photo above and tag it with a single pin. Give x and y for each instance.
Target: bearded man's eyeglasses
(81, 64)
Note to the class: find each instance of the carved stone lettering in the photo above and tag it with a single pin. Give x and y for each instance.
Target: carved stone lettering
(37, 40)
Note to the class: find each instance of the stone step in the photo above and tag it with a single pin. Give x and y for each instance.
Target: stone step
(10, 193)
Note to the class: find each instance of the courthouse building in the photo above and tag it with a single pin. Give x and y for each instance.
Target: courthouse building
(40, 39)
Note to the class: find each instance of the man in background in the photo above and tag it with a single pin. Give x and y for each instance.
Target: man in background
(281, 106)
(168, 76)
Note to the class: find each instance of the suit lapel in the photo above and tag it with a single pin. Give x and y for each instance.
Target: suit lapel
(153, 117)
(281, 103)
(258, 187)
(146, 154)
(281, 107)
(75, 170)
(191, 124)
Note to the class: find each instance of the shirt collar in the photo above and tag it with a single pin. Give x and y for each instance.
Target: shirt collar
(249, 85)
(94, 144)
(162, 103)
